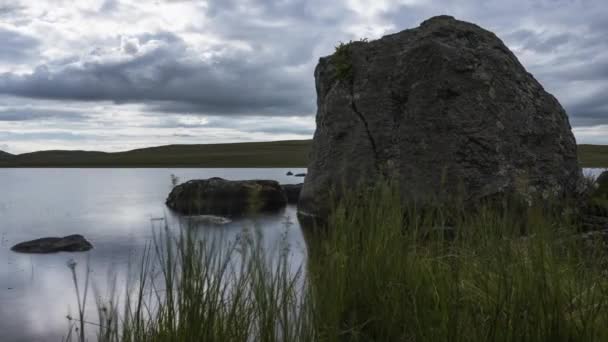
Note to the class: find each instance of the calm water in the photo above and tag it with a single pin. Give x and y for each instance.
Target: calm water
(112, 208)
(593, 172)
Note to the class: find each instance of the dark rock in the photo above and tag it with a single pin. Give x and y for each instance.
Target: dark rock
(445, 109)
(70, 243)
(595, 209)
(289, 173)
(207, 220)
(217, 196)
(602, 184)
(300, 175)
(292, 191)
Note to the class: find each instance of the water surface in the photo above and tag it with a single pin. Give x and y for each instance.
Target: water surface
(117, 211)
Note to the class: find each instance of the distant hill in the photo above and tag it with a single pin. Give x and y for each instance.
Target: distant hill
(290, 153)
(593, 155)
(4, 155)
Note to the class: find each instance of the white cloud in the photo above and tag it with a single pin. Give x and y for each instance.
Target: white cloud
(132, 71)
(592, 135)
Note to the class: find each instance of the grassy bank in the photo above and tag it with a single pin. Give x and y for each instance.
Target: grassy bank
(379, 273)
(292, 153)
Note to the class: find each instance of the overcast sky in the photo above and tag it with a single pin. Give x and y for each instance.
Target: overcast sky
(120, 74)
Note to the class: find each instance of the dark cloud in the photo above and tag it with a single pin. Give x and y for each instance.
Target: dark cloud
(13, 12)
(10, 9)
(109, 6)
(53, 135)
(16, 46)
(173, 78)
(256, 58)
(591, 109)
(25, 114)
(593, 69)
(542, 43)
(268, 72)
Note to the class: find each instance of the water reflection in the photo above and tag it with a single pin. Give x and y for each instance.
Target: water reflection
(593, 172)
(115, 209)
(118, 210)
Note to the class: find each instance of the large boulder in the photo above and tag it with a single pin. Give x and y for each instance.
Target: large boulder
(444, 108)
(70, 243)
(217, 196)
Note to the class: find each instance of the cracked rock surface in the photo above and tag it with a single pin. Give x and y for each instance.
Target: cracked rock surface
(447, 110)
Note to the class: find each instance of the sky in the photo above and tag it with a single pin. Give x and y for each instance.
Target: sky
(114, 75)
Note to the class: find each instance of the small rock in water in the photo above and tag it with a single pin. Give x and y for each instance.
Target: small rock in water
(70, 243)
(221, 197)
(602, 182)
(208, 219)
(292, 191)
(289, 173)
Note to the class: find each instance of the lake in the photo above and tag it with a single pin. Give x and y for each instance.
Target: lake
(117, 210)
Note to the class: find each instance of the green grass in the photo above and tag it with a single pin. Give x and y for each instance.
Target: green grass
(593, 156)
(292, 153)
(384, 273)
(379, 272)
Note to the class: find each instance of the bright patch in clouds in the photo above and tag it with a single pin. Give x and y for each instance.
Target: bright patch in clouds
(120, 74)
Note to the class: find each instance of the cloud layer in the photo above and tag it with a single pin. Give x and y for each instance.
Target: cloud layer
(139, 73)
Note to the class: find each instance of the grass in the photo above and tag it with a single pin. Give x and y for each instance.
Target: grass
(509, 274)
(342, 60)
(379, 272)
(593, 156)
(292, 153)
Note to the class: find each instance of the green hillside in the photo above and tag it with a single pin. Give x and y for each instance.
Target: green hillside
(4, 155)
(291, 153)
(593, 155)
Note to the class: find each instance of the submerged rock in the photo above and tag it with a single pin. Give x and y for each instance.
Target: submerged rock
(208, 219)
(217, 196)
(446, 110)
(292, 191)
(70, 243)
